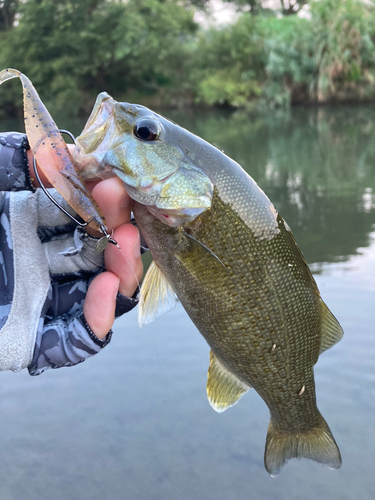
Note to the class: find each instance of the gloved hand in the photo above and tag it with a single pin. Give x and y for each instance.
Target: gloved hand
(78, 281)
(123, 271)
(58, 301)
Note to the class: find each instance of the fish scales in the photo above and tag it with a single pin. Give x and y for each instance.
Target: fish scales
(220, 245)
(247, 326)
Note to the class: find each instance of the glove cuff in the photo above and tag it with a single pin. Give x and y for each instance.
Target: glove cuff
(99, 342)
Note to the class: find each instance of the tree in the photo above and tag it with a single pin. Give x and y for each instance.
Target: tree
(252, 6)
(8, 11)
(73, 50)
(286, 7)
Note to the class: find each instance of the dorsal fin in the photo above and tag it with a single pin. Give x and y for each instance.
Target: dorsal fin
(157, 296)
(223, 388)
(331, 329)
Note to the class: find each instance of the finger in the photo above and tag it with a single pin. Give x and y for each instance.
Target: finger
(114, 201)
(127, 262)
(100, 303)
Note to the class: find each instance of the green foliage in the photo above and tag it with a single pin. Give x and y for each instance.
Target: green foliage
(275, 61)
(344, 31)
(233, 87)
(152, 50)
(290, 60)
(73, 50)
(328, 57)
(230, 63)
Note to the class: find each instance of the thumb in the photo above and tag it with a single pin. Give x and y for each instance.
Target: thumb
(100, 303)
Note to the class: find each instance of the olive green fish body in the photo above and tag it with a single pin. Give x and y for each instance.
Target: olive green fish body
(261, 312)
(220, 245)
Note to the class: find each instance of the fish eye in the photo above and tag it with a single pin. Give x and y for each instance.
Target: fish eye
(147, 130)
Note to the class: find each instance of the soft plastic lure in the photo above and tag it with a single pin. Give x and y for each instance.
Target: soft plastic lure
(53, 156)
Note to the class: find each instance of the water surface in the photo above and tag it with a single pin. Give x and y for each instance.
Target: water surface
(134, 422)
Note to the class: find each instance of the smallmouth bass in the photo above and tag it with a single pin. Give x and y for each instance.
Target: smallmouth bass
(220, 245)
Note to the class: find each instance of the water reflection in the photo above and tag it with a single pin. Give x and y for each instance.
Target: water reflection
(134, 422)
(316, 165)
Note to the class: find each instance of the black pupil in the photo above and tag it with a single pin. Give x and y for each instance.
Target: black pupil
(146, 130)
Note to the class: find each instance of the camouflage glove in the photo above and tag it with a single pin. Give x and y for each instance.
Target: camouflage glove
(14, 172)
(46, 265)
(66, 339)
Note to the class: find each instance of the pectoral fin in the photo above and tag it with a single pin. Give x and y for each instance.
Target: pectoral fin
(331, 329)
(157, 296)
(223, 388)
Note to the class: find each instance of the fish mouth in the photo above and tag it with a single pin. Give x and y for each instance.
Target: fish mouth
(174, 218)
(174, 198)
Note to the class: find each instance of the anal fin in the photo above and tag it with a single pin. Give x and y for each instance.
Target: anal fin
(157, 296)
(223, 388)
(331, 329)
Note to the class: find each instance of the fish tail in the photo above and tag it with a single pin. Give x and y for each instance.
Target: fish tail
(317, 444)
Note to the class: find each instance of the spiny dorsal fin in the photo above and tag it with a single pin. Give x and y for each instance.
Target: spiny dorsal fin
(317, 444)
(223, 388)
(331, 329)
(157, 296)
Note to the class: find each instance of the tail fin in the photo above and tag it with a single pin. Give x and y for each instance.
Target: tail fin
(317, 444)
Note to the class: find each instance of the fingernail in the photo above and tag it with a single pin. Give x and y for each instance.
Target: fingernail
(137, 248)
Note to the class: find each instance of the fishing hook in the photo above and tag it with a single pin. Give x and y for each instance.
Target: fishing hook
(107, 238)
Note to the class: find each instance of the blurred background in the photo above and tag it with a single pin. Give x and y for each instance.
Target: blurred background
(176, 53)
(287, 89)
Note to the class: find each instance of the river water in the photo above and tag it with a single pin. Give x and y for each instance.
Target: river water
(134, 422)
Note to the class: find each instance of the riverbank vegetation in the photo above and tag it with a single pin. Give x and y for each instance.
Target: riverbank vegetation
(155, 52)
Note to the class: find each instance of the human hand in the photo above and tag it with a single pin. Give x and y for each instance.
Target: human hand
(124, 267)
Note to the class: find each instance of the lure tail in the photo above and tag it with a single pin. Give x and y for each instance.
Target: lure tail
(317, 444)
(8, 74)
(52, 154)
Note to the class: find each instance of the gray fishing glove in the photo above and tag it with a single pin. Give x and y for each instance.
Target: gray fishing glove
(46, 266)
